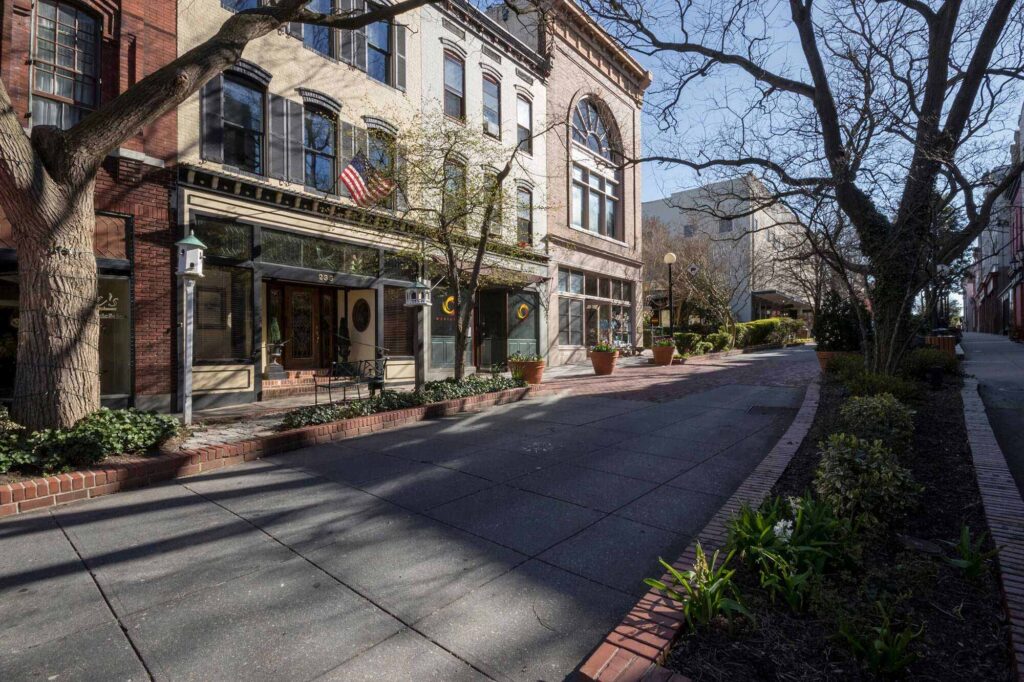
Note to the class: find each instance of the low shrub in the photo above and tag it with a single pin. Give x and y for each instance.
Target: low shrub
(883, 649)
(878, 417)
(703, 348)
(720, 341)
(96, 437)
(773, 330)
(863, 481)
(740, 336)
(872, 383)
(836, 326)
(846, 366)
(686, 342)
(920, 361)
(387, 401)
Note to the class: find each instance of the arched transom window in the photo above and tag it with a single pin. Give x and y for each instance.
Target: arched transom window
(590, 129)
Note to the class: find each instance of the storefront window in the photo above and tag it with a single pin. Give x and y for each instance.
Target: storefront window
(223, 330)
(570, 322)
(224, 238)
(114, 303)
(301, 251)
(590, 312)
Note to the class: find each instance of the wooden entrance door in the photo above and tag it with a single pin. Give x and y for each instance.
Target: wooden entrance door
(301, 306)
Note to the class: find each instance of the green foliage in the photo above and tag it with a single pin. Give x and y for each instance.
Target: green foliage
(7, 425)
(702, 348)
(93, 439)
(790, 544)
(846, 367)
(720, 341)
(878, 417)
(663, 343)
(917, 363)
(706, 592)
(971, 558)
(773, 330)
(686, 342)
(274, 332)
(863, 481)
(387, 401)
(836, 326)
(872, 383)
(603, 347)
(741, 336)
(524, 357)
(883, 649)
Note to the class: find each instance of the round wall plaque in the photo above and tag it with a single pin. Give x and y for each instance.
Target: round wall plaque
(361, 315)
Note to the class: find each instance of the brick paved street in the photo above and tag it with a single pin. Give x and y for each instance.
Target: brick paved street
(494, 545)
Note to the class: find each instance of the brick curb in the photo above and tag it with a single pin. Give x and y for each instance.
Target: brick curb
(635, 649)
(1004, 511)
(49, 491)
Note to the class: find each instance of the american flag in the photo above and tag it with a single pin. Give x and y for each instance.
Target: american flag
(366, 185)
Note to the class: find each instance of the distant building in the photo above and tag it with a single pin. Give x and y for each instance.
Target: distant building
(989, 283)
(752, 240)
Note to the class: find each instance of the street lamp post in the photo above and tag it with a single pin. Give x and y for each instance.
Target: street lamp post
(190, 268)
(669, 259)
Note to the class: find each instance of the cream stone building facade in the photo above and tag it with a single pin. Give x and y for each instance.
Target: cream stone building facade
(291, 258)
(751, 241)
(594, 98)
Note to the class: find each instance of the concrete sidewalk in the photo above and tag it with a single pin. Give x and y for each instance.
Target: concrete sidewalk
(998, 363)
(497, 545)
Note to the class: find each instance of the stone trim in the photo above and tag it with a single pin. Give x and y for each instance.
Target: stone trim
(1004, 512)
(49, 491)
(635, 649)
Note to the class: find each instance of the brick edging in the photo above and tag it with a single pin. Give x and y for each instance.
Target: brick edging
(1004, 512)
(48, 491)
(635, 649)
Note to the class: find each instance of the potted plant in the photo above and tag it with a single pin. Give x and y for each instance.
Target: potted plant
(529, 368)
(275, 349)
(664, 350)
(603, 357)
(836, 328)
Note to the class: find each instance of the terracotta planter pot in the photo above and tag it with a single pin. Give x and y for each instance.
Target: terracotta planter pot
(603, 361)
(663, 355)
(531, 372)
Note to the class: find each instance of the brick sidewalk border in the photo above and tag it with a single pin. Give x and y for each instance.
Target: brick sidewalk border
(635, 649)
(1004, 511)
(39, 493)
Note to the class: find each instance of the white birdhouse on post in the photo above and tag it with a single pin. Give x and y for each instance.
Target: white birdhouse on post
(190, 257)
(418, 296)
(190, 268)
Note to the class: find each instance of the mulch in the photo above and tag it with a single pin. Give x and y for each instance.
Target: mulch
(965, 634)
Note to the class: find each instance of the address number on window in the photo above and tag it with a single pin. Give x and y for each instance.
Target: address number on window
(323, 277)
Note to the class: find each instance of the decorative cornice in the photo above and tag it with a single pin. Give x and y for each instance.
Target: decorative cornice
(318, 98)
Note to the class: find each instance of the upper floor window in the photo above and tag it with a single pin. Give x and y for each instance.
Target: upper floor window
(379, 52)
(689, 230)
(239, 5)
(381, 155)
(524, 124)
(320, 145)
(724, 225)
(590, 129)
(319, 38)
(454, 86)
(243, 125)
(497, 218)
(64, 64)
(524, 216)
(595, 202)
(453, 206)
(492, 106)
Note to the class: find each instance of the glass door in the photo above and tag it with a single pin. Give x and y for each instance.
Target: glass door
(300, 305)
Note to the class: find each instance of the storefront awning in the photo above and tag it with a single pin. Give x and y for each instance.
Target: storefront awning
(780, 299)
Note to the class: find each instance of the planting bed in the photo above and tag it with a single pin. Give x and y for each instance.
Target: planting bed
(964, 636)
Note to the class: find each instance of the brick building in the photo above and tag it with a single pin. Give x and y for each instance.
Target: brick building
(59, 60)
(594, 98)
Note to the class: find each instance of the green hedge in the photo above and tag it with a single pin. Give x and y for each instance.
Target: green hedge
(720, 341)
(686, 342)
(775, 330)
(387, 401)
(879, 417)
(96, 437)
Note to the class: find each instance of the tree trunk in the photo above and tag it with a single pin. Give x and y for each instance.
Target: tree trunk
(57, 381)
(461, 341)
(890, 309)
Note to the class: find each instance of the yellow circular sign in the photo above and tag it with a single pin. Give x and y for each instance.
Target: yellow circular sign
(523, 311)
(449, 305)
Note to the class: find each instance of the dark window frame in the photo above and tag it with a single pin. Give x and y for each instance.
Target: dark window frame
(524, 134)
(74, 104)
(261, 135)
(388, 53)
(524, 225)
(317, 154)
(485, 80)
(451, 57)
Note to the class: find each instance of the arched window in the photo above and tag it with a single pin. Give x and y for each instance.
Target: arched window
(596, 186)
(64, 64)
(244, 124)
(590, 129)
(320, 143)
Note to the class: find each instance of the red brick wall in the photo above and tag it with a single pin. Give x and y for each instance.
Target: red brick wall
(138, 37)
